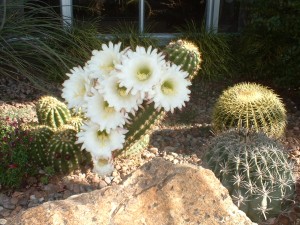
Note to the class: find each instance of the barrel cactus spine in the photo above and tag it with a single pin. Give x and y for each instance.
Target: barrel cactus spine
(76, 122)
(52, 112)
(255, 170)
(40, 135)
(185, 54)
(250, 106)
(64, 155)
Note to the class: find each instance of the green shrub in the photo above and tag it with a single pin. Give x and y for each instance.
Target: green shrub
(128, 34)
(14, 163)
(270, 42)
(214, 48)
(34, 44)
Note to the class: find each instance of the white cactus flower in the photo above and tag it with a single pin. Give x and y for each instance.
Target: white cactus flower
(172, 91)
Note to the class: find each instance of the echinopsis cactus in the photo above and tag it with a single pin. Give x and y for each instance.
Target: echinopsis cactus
(255, 170)
(252, 107)
(185, 54)
(124, 96)
(182, 53)
(52, 112)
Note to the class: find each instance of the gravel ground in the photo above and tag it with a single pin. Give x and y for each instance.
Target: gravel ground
(181, 138)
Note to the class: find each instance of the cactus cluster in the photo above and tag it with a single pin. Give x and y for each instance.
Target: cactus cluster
(250, 106)
(53, 139)
(185, 54)
(255, 170)
(182, 53)
(63, 154)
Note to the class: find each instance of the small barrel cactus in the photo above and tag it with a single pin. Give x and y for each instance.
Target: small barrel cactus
(76, 122)
(250, 106)
(64, 155)
(52, 112)
(185, 54)
(255, 170)
(40, 135)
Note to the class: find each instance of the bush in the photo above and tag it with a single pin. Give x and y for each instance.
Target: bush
(14, 164)
(34, 43)
(270, 42)
(214, 48)
(129, 35)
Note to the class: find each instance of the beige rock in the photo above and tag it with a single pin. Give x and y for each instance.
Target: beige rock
(159, 193)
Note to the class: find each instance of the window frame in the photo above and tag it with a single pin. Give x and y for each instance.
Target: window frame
(211, 16)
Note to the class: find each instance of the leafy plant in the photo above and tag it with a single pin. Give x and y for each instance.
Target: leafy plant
(256, 171)
(214, 48)
(270, 42)
(49, 172)
(14, 163)
(128, 34)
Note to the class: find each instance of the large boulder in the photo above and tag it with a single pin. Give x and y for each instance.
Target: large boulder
(157, 193)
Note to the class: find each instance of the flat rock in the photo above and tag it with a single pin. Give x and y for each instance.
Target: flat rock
(157, 193)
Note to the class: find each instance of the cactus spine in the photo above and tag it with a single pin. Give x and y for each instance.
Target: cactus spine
(53, 140)
(255, 170)
(40, 135)
(250, 106)
(182, 53)
(76, 122)
(64, 155)
(52, 112)
(185, 54)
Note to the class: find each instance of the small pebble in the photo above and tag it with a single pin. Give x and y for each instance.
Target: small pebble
(3, 221)
(107, 180)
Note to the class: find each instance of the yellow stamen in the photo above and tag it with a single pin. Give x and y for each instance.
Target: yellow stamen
(167, 87)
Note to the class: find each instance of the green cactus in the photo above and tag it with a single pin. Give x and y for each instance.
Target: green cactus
(52, 112)
(40, 135)
(255, 170)
(146, 119)
(62, 152)
(250, 106)
(76, 122)
(137, 137)
(185, 54)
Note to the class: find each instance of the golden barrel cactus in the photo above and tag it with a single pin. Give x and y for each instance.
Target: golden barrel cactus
(250, 106)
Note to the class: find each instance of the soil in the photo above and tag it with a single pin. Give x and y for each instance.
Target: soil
(181, 138)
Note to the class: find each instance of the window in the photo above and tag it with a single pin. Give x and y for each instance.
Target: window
(163, 16)
(107, 12)
(231, 16)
